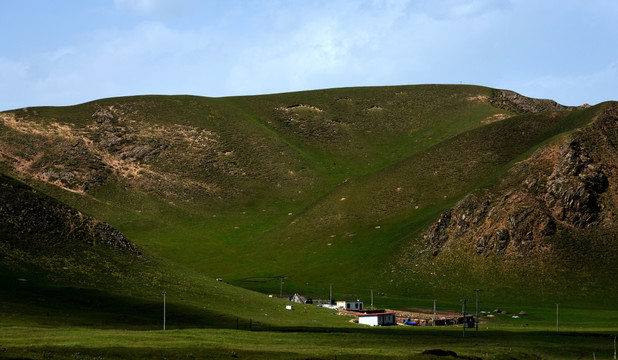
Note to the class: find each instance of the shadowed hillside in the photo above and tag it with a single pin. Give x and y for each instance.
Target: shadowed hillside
(63, 268)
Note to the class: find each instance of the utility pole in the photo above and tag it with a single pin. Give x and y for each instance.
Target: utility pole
(371, 299)
(164, 293)
(463, 312)
(477, 310)
(281, 289)
(557, 320)
(331, 295)
(434, 313)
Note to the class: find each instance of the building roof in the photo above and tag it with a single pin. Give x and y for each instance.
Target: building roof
(376, 314)
(298, 299)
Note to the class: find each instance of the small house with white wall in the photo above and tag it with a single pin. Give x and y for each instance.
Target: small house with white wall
(377, 319)
(350, 305)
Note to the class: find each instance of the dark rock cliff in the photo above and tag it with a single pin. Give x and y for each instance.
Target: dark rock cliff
(35, 223)
(574, 187)
(563, 186)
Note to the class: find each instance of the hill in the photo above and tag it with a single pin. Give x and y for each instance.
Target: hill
(546, 229)
(344, 187)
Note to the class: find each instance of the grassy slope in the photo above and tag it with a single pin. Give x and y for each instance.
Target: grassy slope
(355, 142)
(397, 155)
(382, 210)
(52, 277)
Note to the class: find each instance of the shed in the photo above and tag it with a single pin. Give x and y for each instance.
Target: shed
(298, 299)
(350, 305)
(377, 319)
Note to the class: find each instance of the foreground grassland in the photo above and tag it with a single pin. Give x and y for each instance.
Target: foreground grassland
(494, 342)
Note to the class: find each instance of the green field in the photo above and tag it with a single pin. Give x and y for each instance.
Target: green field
(496, 340)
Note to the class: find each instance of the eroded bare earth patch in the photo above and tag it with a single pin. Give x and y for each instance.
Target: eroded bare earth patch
(116, 144)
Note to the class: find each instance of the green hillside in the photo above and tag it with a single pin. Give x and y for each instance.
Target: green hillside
(321, 187)
(62, 268)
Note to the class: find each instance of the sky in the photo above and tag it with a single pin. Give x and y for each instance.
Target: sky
(66, 52)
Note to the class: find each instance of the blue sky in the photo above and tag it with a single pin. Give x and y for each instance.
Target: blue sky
(68, 52)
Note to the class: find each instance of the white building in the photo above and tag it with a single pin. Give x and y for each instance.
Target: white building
(377, 319)
(350, 305)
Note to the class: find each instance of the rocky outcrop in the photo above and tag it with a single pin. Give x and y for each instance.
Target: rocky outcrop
(574, 186)
(107, 234)
(103, 116)
(34, 223)
(514, 102)
(520, 221)
(438, 235)
(605, 129)
(517, 226)
(511, 224)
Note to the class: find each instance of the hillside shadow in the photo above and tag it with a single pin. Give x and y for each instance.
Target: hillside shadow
(73, 306)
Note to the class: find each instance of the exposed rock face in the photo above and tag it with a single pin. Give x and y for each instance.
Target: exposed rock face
(574, 186)
(606, 129)
(103, 116)
(510, 225)
(35, 223)
(120, 144)
(514, 102)
(456, 222)
(516, 223)
(109, 235)
(517, 226)
(123, 141)
(437, 234)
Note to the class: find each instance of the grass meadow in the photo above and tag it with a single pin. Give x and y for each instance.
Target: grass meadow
(498, 338)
